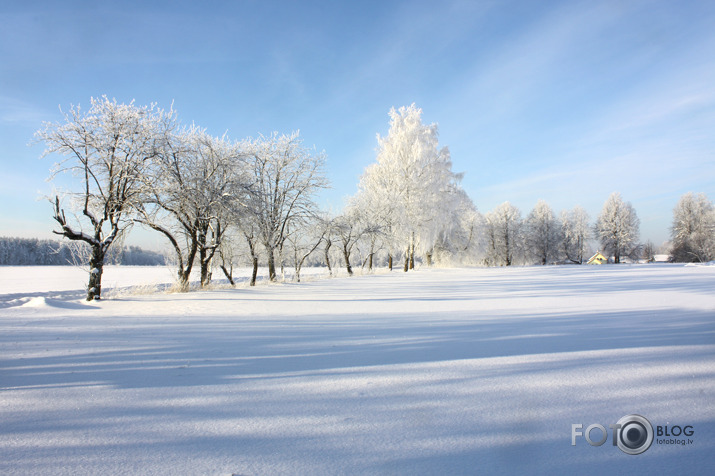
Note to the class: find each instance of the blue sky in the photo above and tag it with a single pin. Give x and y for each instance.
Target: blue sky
(562, 101)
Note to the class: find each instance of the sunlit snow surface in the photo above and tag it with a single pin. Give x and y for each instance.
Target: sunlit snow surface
(473, 371)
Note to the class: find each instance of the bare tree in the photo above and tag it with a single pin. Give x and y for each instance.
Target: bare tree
(303, 238)
(194, 180)
(287, 175)
(228, 255)
(648, 252)
(348, 230)
(251, 236)
(108, 149)
(325, 223)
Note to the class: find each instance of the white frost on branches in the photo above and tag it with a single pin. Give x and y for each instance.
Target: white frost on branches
(411, 190)
(617, 227)
(693, 229)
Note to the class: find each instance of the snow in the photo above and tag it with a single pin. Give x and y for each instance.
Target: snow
(438, 371)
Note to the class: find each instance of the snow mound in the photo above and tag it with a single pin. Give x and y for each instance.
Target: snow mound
(42, 302)
(698, 265)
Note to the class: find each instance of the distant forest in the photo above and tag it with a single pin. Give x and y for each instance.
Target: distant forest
(34, 252)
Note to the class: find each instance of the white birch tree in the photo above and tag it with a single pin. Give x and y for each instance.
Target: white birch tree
(617, 227)
(575, 233)
(459, 241)
(504, 235)
(542, 234)
(412, 180)
(693, 229)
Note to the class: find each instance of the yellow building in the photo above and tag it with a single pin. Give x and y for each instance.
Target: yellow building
(598, 258)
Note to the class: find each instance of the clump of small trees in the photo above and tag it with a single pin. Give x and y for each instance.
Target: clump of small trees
(542, 238)
(138, 164)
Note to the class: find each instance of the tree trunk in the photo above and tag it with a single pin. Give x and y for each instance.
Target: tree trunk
(369, 265)
(254, 258)
(205, 272)
(346, 255)
(428, 258)
(228, 274)
(412, 252)
(206, 254)
(407, 260)
(389, 262)
(96, 267)
(271, 264)
(184, 272)
(328, 244)
(202, 255)
(255, 271)
(183, 280)
(205, 268)
(507, 251)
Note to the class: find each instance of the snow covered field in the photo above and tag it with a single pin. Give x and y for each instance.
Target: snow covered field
(470, 371)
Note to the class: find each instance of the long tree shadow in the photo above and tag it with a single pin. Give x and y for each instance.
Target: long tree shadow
(192, 352)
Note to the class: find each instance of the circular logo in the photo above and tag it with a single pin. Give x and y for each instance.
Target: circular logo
(635, 434)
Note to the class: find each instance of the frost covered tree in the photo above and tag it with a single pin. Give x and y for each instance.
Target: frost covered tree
(542, 234)
(229, 253)
(286, 177)
(302, 239)
(411, 180)
(347, 229)
(326, 224)
(378, 207)
(617, 227)
(373, 222)
(459, 240)
(108, 148)
(193, 184)
(503, 229)
(246, 227)
(575, 233)
(372, 237)
(693, 229)
(648, 252)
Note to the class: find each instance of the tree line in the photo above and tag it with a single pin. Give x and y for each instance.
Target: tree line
(220, 203)
(32, 252)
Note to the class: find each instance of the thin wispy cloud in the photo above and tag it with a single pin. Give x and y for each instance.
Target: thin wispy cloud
(20, 113)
